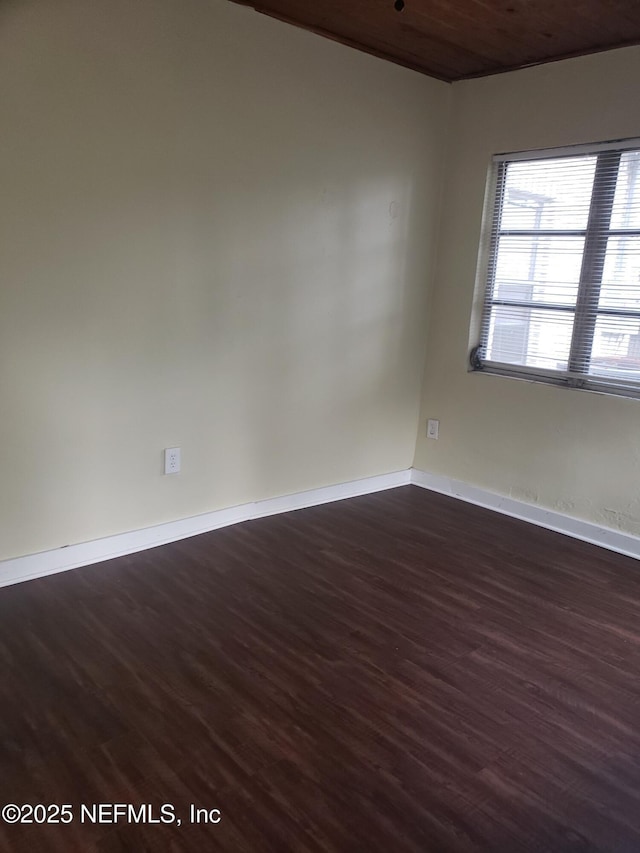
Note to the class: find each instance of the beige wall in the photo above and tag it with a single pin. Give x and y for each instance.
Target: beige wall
(573, 451)
(217, 232)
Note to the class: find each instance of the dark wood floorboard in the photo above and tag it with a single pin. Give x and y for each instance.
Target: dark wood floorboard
(397, 672)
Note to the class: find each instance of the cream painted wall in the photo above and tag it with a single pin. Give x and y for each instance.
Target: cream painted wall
(573, 451)
(216, 233)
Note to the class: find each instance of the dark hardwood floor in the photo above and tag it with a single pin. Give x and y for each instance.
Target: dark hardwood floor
(397, 672)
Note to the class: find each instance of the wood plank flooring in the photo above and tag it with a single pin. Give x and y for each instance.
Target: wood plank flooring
(397, 672)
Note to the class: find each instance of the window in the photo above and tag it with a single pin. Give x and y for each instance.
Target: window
(563, 274)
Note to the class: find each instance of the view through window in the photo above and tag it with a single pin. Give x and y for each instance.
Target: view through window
(563, 289)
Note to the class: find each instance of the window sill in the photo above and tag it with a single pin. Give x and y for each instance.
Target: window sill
(593, 385)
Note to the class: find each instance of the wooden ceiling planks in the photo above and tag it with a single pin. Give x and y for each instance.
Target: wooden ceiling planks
(466, 38)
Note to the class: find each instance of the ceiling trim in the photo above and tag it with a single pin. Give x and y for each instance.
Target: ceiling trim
(345, 41)
(576, 54)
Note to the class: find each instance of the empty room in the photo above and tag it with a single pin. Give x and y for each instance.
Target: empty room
(319, 433)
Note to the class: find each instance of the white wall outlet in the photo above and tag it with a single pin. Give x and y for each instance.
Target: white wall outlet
(433, 428)
(172, 460)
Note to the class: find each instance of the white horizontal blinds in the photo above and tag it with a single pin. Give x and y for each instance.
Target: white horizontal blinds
(564, 270)
(539, 236)
(595, 247)
(615, 348)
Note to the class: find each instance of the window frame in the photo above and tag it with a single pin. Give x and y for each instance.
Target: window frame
(586, 309)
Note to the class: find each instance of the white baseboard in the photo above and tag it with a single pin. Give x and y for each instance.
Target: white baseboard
(605, 537)
(300, 500)
(84, 554)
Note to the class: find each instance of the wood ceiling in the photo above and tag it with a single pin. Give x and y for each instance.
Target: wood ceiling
(455, 39)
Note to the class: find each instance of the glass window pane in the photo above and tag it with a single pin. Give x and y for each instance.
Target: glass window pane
(538, 269)
(621, 274)
(616, 348)
(548, 194)
(530, 336)
(626, 203)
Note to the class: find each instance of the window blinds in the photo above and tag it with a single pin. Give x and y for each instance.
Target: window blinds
(563, 279)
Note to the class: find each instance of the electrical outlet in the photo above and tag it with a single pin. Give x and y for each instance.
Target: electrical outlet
(433, 428)
(172, 460)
